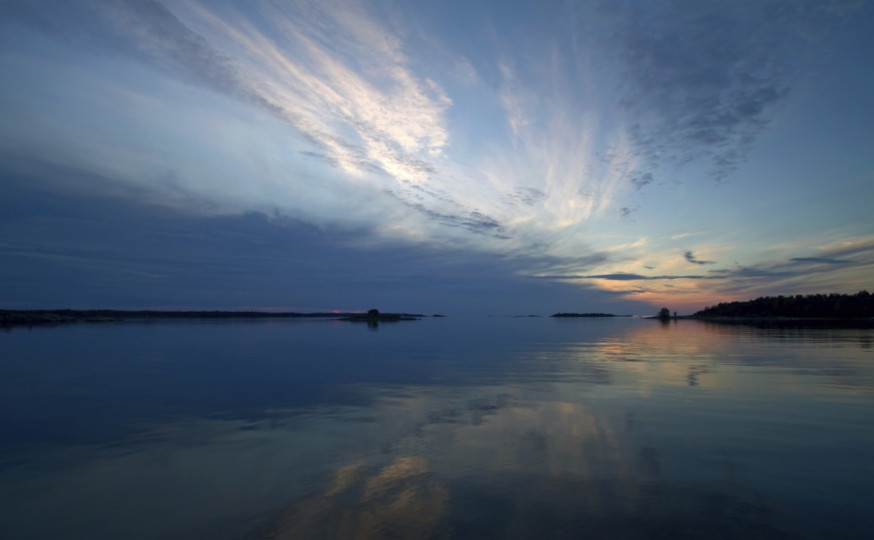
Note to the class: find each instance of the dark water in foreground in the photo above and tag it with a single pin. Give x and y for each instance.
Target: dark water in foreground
(445, 428)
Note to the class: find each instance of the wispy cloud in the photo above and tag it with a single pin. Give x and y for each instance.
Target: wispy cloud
(686, 235)
(690, 256)
(823, 260)
(345, 83)
(637, 277)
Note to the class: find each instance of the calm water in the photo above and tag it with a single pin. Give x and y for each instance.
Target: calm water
(446, 428)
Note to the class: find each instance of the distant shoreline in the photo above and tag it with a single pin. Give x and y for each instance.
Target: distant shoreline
(36, 317)
(49, 317)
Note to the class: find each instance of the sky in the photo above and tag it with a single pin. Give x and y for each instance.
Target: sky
(493, 157)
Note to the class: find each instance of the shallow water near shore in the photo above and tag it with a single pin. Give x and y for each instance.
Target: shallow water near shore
(439, 428)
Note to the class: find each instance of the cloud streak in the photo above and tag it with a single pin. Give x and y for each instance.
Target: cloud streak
(382, 117)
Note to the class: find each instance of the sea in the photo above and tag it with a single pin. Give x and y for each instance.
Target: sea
(455, 427)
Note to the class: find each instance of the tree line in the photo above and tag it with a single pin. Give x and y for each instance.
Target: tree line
(840, 306)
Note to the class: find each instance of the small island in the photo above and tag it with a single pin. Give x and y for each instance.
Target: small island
(583, 315)
(374, 316)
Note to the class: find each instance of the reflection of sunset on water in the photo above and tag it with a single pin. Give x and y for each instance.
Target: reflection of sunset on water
(721, 357)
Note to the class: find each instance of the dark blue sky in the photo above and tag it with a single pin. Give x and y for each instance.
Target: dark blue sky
(506, 158)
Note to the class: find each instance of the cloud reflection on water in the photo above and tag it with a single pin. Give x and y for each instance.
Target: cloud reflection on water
(528, 465)
(606, 428)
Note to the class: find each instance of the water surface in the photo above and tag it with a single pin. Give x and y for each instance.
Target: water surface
(441, 428)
